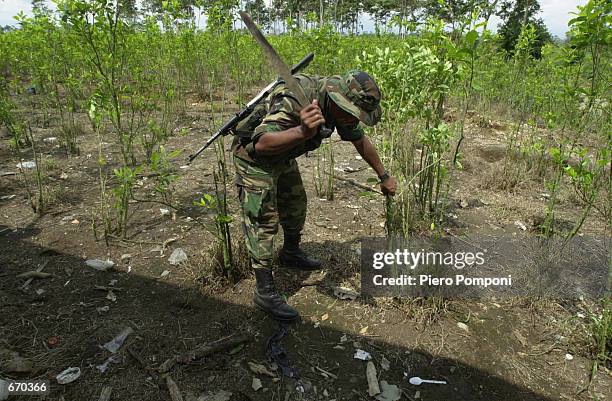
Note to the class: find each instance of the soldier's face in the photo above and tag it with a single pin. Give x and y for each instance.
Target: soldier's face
(342, 118)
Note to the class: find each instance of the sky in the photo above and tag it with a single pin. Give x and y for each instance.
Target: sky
(555, 13)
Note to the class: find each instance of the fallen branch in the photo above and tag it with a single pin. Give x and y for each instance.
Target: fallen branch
(30, 278)
(175, 392)
(326, 372)
(355, 183)
(34, 274)
(202, 351)
(152, 372)
(106, 393)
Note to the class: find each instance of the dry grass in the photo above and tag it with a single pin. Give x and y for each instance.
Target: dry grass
(206, 269)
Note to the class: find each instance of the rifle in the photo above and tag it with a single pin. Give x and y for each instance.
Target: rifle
(229, 125)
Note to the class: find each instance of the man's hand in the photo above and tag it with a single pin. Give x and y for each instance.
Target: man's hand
(388, 186)
(311, 117)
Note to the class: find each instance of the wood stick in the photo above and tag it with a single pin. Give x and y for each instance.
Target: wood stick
(39, 269)
(106, 288)
(355, 183)
(152, 372)
(175, 392)
(34, 274)
(106, 393)
(202, 351)
(373, 387)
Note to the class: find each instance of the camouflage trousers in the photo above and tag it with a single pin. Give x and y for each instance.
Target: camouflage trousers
(269, 195)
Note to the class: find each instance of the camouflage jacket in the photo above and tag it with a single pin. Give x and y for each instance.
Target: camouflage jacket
(279, 112)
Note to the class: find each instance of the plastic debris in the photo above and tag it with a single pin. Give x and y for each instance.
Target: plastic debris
(256, 384)
(51, 139)
(389, 392)
(69, 375)
(104, 366)
(116, 343)
(4, 392)
(363, 355)
(164, 273)
(178, 256)
(23, 165)
(125, 257)
(417, 381)
(111, 296)
(569, 357)
(520, 225)
(463, 326)
(101, 265)
(164, 212)
(384, 363)
(345, 293)
(102, 309)
(373, 387)
(7, 197)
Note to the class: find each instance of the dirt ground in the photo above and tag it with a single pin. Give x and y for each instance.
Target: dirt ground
(502, 350)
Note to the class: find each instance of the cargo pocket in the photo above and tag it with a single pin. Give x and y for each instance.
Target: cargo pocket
(251, 201)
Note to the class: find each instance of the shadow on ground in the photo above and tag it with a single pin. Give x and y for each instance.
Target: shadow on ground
(63, 326)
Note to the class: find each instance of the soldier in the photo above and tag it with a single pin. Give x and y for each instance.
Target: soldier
(269, 184)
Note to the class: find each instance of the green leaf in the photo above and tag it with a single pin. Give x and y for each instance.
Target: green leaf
(471, 37)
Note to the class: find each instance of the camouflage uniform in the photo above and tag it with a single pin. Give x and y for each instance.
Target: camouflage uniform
(270, 187)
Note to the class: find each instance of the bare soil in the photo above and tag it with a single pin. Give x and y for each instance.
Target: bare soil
(513, 350)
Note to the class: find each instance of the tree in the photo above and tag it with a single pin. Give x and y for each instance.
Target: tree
(257, 9)
(516, 15)
(452, 11)
(381, 10)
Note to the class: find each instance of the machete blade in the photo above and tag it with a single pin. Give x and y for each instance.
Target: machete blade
(275, 61)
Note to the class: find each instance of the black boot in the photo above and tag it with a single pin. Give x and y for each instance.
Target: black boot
(268, 300)
(292, 256)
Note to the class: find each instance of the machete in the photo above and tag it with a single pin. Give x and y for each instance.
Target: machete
(280, 67)
(276, 62)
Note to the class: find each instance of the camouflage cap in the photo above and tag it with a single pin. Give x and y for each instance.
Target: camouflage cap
(357, 94)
